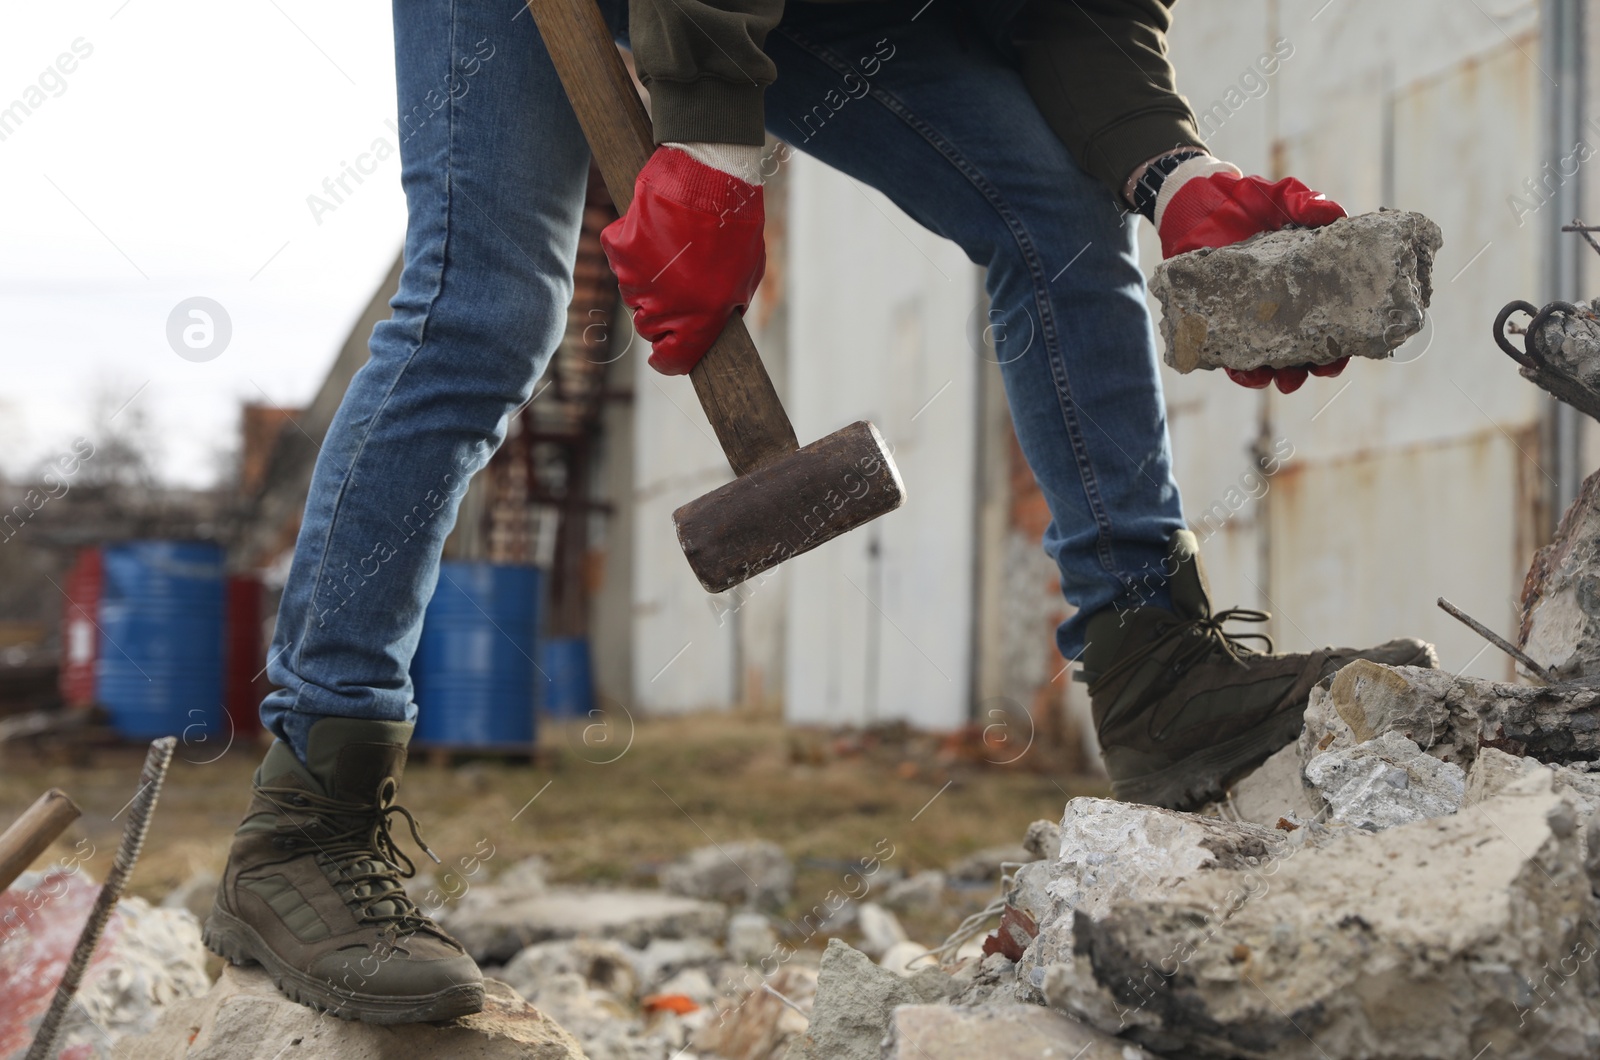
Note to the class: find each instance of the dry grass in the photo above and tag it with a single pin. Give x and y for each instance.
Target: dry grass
(682, 783)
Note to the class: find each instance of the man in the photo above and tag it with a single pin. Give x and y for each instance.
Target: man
(1024, 131)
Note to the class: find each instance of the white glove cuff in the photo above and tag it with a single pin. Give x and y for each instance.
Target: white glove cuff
(736, 160)
(1199, 166)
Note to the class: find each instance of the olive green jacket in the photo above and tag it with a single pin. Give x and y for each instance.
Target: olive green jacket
(1097, 69)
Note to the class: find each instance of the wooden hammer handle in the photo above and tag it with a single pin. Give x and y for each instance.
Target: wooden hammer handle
(33, 832)
(730, 380)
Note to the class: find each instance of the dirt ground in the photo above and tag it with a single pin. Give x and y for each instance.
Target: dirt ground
(605, 804)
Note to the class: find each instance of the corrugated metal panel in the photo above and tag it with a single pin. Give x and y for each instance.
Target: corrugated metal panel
(878, 621)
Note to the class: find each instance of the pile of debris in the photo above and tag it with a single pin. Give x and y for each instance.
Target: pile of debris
(1415, 877)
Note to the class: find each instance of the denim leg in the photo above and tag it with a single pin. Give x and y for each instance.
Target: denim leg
(494, 167)
(904, 96)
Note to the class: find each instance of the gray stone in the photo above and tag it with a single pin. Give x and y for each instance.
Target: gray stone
(750, 937)
(1560, 604)
(604, 965)
(755, 872)
(148, 958)
(982, 866)
(494, 927)
(988, 980)
(1043, 840)
(907, 958)
(527, 877)
(761, 1024)
(1011, 1032)
(1494, 771)
(692, 983)
(604, 1027)
(879, 928)
(1386, 782)
(196, 894)
(1356, 288)
(244, 1017)
(1274, 791)
(1113, 850)
(922, 890)
(1450, 716)
(855, 1001)
(1030, 890)
(1443, 939)
(664, 958)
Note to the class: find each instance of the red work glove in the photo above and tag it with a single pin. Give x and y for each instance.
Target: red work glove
(689, 252)
(1205, 203)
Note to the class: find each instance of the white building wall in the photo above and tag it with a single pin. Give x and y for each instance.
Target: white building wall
(1417, 478)
(683, 648)
(879, 622)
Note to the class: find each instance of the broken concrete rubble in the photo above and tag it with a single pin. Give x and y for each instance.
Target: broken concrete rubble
(1435, 939)
(603, 964)
(761, 1023)
(907, 958)
(880, 930)
(1494, 771)
(922, 890)
(494, 926)
(1009, 1032)
(603, 1026)
(1450, 716)
(1560, 603)
(148, 958)
(757, 873)
(855, 1001)
(1273, 791)
(750, 937)
(1112, 850)
(244, 1017)
(664, 958)
(1356, 288)
(983, 866)
(1386, 782)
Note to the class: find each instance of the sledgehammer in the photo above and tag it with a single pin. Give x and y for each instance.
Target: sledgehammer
(787, 499)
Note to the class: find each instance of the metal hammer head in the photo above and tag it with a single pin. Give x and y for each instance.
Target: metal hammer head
(789, 506)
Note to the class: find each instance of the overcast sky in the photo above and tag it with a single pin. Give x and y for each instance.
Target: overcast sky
(173, 160)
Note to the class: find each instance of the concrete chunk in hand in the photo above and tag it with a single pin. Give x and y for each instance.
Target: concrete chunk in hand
(1355, 288)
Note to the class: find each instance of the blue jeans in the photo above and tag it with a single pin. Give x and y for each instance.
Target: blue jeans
(494, 165)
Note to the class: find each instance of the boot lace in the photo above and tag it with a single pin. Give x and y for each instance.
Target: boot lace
(355, 840)
(1206, 636)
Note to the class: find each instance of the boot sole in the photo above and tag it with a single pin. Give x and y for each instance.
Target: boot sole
(239, 943)
(1204, 777)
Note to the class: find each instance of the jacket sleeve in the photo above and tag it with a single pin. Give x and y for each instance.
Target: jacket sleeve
(1098, 71)
(703, 63)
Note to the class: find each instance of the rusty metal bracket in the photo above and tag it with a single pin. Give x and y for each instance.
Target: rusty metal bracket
(1531, 360)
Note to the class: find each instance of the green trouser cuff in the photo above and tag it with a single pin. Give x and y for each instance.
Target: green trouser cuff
(708, 111)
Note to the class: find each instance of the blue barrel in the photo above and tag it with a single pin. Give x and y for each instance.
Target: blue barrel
(474, 669)
(567, 685)
(159, 671)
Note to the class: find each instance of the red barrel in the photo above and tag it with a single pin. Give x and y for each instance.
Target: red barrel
(80, 641)
(244, 679)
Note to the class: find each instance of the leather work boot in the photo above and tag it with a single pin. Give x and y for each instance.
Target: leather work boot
(1183, 707)
(312, 890)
